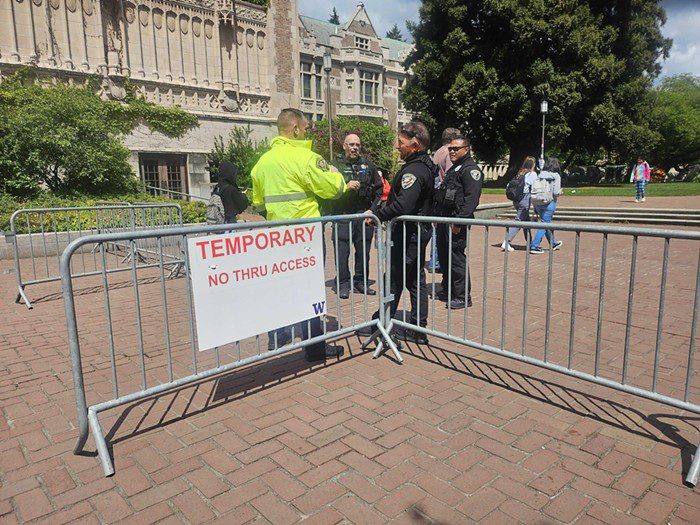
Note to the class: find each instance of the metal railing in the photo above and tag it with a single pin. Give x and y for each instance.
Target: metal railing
(635, 365)
(172, 194)
(166, 356)
(43, 233)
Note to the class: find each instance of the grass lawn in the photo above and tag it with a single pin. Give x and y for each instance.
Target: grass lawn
(659, 189)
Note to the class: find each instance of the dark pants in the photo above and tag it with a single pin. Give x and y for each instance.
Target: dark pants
(362, 248)
(414, 271)
(453, 267)
(310, 328)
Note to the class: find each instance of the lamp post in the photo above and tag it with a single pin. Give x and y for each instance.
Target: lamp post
(327, 66)
(544, 106)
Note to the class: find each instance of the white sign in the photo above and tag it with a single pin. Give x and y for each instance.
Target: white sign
(249, 282)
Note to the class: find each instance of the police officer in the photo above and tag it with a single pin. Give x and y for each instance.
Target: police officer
(411, 194)
(286, 181)
(354, 167)
(457, 196)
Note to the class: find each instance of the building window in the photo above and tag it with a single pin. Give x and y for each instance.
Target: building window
(165, 172)
(362, 43)
(369, 87)
(311, 81)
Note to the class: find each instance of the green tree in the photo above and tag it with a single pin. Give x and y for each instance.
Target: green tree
(67, 139)
(485, 65)
(377, 140)
(395, 33)
(334, 19)
(241, 150)
(676, 117)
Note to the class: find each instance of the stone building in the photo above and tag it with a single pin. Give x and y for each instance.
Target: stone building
(230, 62)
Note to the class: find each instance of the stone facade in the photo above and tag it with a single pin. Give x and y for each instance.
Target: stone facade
(367, 72)
(229, 62)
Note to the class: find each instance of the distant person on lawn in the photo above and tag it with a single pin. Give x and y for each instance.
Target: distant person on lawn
(640, 176)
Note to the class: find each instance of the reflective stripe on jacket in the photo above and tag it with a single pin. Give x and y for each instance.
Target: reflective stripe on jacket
(288, 179)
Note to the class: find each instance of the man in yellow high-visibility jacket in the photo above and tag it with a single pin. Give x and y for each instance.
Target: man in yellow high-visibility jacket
(287, 181)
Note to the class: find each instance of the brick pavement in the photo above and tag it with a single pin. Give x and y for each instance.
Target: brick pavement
(453, 435)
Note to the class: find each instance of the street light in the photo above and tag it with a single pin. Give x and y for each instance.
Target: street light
(544, 106)
(327, 66)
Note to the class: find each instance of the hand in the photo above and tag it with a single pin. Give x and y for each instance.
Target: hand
(369, 221)
(333, 168)
(353, 185)
(456, 229)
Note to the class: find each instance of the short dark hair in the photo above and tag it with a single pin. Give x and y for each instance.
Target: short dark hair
(419, 131)
(288, 117)
(449, 134)
(552, 164)
(464, 138)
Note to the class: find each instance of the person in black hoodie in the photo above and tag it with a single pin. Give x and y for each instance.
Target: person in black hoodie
(233, 199)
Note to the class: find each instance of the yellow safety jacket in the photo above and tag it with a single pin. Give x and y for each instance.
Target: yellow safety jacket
(288, 178)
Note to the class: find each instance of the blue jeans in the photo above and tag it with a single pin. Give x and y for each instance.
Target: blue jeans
(434, 261)
(639, 187)
(545, 213)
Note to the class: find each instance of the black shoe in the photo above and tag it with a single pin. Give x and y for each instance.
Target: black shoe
(334, 351)
(469, 302)
(344, 293)
(411, 336)
(439, 295)
(456, 304)
(360, 288)
(280, 343)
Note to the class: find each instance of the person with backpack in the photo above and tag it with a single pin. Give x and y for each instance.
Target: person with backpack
(227, 200)
(641, 174)
(518, 191)
(544, 191)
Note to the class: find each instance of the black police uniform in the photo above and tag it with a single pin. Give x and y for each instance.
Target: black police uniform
(411, 194)
(367, 197)
(457, 196)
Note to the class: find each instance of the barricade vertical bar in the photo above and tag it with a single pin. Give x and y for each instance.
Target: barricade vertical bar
(525, 290)
(659, 326)
(630, 301)
(166, 318)
(190, 315)
(351, 269)
(108, 311)
(55, 235)
(466, 281)
(601, 302)
(574, 290)
(693, 334)
(548, 312)
(449, 276)
(433, 302)
(80, 234)
(364, 266)
(505, 290)
(43, 241)
(31, 244)
(337, 271)
(403, 272)
(137, 304)
(419, 272)
(486, 276)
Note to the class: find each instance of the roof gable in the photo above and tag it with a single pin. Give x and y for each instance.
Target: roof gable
(360, 22)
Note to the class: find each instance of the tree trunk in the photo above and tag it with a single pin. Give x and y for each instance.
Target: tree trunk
(515, 161)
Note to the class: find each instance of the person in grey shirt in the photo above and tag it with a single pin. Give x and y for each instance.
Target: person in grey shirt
(545, 211)
(522, 207)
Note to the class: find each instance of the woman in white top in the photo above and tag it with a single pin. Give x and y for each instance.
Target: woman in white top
(522, 207)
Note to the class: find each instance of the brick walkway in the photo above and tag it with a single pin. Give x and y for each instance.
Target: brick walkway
(453, 435)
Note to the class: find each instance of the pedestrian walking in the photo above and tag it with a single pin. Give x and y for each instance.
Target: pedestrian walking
(641, 174)
(355, 167)
(286, 182)
(233, 199)
(518, 191)
(411, 194)
(544, 191)
(457, 196)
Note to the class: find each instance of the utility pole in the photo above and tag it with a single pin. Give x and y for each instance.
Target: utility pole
(327, 67)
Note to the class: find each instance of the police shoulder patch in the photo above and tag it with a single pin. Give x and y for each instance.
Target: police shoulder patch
(476, 174)
(408, 180)
(321, 164)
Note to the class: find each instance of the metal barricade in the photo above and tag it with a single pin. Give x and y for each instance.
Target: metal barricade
(43, 233)
(564, 335)
(158, 352)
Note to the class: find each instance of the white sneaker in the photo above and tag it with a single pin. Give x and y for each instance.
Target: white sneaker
(504, 245)
(636, 200)
(644, 199)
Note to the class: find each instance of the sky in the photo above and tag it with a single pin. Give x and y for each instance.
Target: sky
(682, 24)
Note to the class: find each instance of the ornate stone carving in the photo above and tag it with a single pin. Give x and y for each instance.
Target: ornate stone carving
(209, 29)
(143, 15)
(37, 2)
(130, 13)
(55, 3)
(113, 88)
(72, 5)
(157, 18)
(184, 24)
(239, 36)
(87, 7)
(170, 20)
(261, 40)
(251, 14)
(196, 26)
(250, 37)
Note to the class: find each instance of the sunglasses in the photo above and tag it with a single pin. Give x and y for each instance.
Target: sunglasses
(455, 148)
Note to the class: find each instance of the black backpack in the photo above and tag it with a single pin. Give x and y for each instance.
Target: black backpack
(515, 190)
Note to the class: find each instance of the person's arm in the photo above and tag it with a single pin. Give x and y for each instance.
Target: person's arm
(471, 180)
(412, 187)
(322, 181)
(258, 191)
(556, 185)
(377, 188)
(239, 200)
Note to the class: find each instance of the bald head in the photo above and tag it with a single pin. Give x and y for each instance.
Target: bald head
(352, 145)
(292, 124)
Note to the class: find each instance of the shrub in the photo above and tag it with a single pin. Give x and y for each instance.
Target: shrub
(241, 150)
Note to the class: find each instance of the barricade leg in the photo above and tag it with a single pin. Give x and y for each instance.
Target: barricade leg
(100, 443)
(694, 471)
(21, 296)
